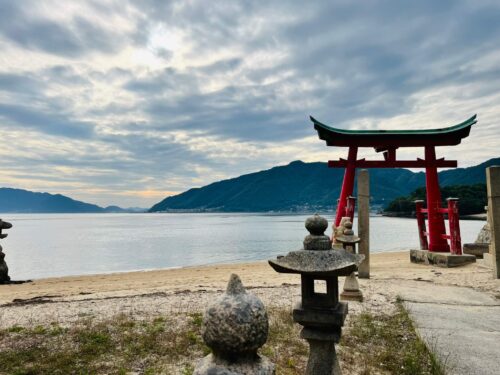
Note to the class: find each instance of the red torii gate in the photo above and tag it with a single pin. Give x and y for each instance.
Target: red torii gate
(387, 142)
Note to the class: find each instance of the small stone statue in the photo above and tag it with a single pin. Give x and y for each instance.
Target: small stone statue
(339, 231)
(351, 286)
(235, 326)
(4, 270)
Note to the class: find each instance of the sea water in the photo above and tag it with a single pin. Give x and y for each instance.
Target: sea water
(47, 245)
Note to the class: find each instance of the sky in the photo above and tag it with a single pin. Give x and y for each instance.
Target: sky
(127, 102)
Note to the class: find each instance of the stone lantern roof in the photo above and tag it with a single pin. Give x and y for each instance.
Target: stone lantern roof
(318, 262)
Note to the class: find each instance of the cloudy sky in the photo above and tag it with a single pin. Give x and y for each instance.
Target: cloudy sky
(117, 102)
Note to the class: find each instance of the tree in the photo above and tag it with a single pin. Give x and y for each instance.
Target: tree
(472, 199)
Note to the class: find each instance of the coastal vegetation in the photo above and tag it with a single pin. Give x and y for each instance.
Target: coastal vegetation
(472, 200)
(372, 343)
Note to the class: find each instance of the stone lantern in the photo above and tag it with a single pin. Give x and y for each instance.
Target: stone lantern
(351, 286)
(4, 270)
(321, 314)
(235, 326)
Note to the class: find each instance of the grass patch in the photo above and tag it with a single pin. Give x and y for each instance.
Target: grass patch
(387, 343)
(284, 346)
(118, 346)
(371, 344)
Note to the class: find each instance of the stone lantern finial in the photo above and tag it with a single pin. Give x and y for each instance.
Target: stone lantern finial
(316, 240)
(235, 286)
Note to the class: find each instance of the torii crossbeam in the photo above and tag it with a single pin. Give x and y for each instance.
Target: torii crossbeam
(387, 142)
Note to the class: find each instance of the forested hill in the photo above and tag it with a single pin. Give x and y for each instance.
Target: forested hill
(301, 186)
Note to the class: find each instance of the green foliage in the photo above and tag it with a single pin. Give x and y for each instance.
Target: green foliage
(472, 199)
(188, 370)
(197, 319)
(15, 329)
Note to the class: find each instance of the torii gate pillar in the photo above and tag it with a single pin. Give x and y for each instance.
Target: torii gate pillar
(347, 185)
(435, 218)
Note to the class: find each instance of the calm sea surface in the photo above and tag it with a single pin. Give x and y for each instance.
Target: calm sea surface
(45, 245)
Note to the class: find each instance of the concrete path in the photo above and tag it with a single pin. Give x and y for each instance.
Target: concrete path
(461, 325)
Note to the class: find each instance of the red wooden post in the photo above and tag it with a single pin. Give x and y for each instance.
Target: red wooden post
(435, 218)
(347, 184)
(454, 222)
(349, 209)
(422, 235)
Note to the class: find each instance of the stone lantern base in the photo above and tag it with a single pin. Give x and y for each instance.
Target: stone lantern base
(211, 365)
(445, 260)
(322, 354)
(322, 330)
(351, 290)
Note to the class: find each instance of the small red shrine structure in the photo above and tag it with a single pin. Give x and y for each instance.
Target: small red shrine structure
(387, 142)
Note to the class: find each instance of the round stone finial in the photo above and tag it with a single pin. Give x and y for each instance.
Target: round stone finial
(236, 324)
(316, 240)
(316, 225)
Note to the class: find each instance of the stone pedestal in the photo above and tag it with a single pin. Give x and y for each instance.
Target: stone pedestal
(487, 260)
(211, 365)
(351, 290)
(476, 249)
(364, 222)
(445, 260)
(481, 246)
(322, 357)
(322, 330)
(493, 188)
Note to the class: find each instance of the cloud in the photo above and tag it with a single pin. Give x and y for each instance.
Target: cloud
(77, 36)
(162, 96)
(19, 115)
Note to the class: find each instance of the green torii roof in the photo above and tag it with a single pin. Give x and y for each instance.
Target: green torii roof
(394, 138)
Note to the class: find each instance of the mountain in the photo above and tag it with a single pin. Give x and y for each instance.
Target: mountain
(18, 200)
(301, 186)
(24, 201)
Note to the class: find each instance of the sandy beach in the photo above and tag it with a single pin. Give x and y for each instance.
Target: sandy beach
(147, 293)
